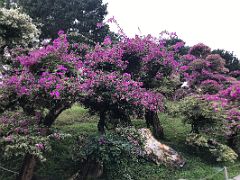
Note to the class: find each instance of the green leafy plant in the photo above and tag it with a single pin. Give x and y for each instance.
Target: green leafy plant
(19, 135)
(200, 114)
(219, 151)
(113, 151)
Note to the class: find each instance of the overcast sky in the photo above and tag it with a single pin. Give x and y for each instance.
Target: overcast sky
(215, 23)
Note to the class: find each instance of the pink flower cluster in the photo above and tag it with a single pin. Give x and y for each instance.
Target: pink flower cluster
(105, 74)
(204, 70)
(229, 101)
(200, 50)
(116, 88)
(19, 124)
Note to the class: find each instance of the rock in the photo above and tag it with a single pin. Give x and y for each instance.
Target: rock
(158, 152)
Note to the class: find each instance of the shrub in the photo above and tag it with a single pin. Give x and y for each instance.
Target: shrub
(219, 151)
(113, 151)
(210, 86)
(20, 135)
(232, 62)
(200, 50)
(200, 114)
(228, 101)
(205, 72)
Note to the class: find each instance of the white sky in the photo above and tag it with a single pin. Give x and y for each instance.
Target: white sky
(215, 23)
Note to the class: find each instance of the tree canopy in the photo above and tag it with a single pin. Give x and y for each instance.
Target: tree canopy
(78, 16)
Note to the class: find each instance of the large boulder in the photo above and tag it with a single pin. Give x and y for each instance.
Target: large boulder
(158, 152)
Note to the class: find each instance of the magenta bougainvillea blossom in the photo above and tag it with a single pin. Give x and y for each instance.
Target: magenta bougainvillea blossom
(205, 71)
(62, 74)
(228, 100)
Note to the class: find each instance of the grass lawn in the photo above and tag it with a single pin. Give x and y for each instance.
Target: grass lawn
(59, 165)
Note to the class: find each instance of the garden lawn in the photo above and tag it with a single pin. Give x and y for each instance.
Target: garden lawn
(76, 121)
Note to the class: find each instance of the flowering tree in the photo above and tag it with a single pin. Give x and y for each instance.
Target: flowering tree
(41, 84)
(49, 80)
(143, 65)
(205, 72)
(118, 96)
(212, 107)
(232, 62)
(207, 75)
(45, 78)
(17, 29)
(152, 61)
(228, 99)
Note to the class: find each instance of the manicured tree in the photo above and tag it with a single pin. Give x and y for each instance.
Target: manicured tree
(43, 83)
(207, 75)
(205, 72)
(145, 59)
(173, 41)
(229, 100)
(200, 50)
(114, 93)
(49, 80)
(152, 62)
(232, 62)
(117, 97)
(47, 75)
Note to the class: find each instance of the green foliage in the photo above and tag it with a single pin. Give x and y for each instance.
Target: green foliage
(75, 16)
(207, 126)
(59, 164)
(19, 135)
(168, 86)
(199, 113)
(25, 144)
(2, 3)
(220, 151)
(16, 29)
(232, 62)
(115, 150)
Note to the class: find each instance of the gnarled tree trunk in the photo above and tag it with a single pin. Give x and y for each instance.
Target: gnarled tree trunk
(28, 166)
(53, 114)
(153, 120)
(231, 141)
(101, 122)
(125, 118)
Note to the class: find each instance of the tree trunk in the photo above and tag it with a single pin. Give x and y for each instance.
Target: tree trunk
(27, 169)
(101, 122)
(153, 120)
(231, 141)
(53, 114)
(125, 118)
